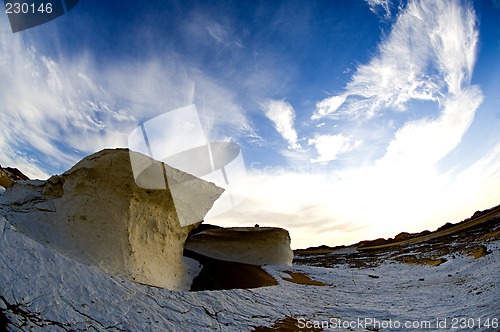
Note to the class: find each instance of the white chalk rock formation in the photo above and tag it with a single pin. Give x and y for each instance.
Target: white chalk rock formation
(250, 245)
(97, 214)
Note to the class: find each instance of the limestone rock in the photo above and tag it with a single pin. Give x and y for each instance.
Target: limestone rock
(97, 214)
(249, 245)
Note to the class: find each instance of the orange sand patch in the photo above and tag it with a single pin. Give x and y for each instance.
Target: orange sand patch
(302, 279)
(420, 260)
(477, 251)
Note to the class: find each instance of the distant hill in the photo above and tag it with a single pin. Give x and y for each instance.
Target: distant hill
(405, 236)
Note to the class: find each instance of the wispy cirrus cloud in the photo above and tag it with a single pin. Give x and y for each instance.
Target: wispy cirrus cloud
(208, 30)
(328, 107)
(49, 110)
(430, 52)
(282, 115)
(429, 55)
(223, 35)
(451, 37)
(56, 111)
(376, 4)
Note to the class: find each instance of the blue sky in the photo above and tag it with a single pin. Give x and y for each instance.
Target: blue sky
(357, 119)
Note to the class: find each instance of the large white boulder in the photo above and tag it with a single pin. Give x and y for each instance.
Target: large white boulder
(250, 245)
(97, 214)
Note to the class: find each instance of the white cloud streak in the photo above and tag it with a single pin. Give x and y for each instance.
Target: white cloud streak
(375, 4)
(452, 38)
(329, 147)
(206, 30)
(282, 115)
(424, 142)
(223, 35)
(328, 106)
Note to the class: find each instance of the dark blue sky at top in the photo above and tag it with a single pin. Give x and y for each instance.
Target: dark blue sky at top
(310, 43)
